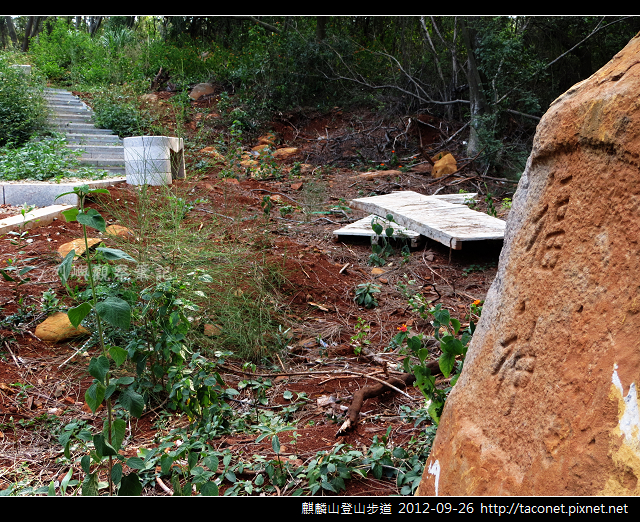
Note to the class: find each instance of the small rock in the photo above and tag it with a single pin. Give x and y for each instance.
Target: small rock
(149, 98)
(267, 139)
(213, 154)
(200, 90)
(78, 245)
(211, 330)
(118, 230)
(285, 153)
(58, 328)
(444, 166)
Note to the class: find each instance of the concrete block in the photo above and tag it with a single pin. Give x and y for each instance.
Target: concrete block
(44, 194)
(153, 160)
(36, 218)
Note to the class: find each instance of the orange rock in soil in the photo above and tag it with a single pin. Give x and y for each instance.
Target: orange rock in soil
(78, 245)
(58, 328)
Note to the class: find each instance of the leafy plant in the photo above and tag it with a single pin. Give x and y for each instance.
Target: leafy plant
(329, 470)
(43, 159)
(16, 269)
(381, 252)
(266, 205)
(232, 150)
(364, 294)
(22, 107)
(116, 312)
(116, 113)
(491, 209)
(453, 343)
(272, 432)
(359, 340)
(476, 268)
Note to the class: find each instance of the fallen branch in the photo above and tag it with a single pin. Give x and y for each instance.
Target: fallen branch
(165, 488)
(13, 356)
(363, 394)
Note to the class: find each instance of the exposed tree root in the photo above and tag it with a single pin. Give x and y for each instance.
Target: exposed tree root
(404, 380)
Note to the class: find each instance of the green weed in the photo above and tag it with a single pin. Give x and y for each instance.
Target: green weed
(364, 294)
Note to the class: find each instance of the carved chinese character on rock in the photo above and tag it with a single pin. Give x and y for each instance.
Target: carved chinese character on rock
(546, 403)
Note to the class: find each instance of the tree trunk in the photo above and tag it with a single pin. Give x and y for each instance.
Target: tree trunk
(27, 33)
(321, 24)
(12, 30)
(94, 24)
(37, 26)
(476, 97)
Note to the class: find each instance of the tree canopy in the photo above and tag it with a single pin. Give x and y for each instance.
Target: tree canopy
(495, 74)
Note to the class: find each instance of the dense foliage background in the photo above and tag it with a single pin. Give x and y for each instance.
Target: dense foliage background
(496, 74)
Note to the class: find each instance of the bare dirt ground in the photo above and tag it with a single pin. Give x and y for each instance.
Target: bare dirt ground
(41, 388)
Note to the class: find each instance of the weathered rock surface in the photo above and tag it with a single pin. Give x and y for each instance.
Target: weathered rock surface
(547, 402)
(119, 230)
(285, 153)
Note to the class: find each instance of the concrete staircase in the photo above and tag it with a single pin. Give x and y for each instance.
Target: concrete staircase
(70, 116)
(101, 149)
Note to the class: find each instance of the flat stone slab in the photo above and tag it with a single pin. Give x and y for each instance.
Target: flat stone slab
(36, 218)
(43, 194)
(362, 228)
(445, 218)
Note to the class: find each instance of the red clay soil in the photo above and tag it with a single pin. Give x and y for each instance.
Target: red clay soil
(320, 298)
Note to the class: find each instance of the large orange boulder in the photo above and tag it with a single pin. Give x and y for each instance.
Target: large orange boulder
(547, 402)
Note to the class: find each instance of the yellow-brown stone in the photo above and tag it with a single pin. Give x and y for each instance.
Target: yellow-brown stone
(58, 328)
(78, 245)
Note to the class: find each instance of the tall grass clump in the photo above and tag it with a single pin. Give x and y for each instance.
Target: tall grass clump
(231, 290)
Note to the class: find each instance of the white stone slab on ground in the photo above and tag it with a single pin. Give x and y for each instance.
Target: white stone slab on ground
(442, 218)
(42, 194)
(363, 228)
(35, 218)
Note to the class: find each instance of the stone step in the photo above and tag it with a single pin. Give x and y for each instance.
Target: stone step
(116, 148)
(63, 100)
(102, 162)
(81, 113)
(63, 119)
(77, 138)
(69, 106)
(90, 153)
(66, 102)
(81, 128)
(54, 90)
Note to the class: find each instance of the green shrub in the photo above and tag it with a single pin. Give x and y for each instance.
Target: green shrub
(59, 54)
(42, 159)
(22, 109)
(118, 114)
